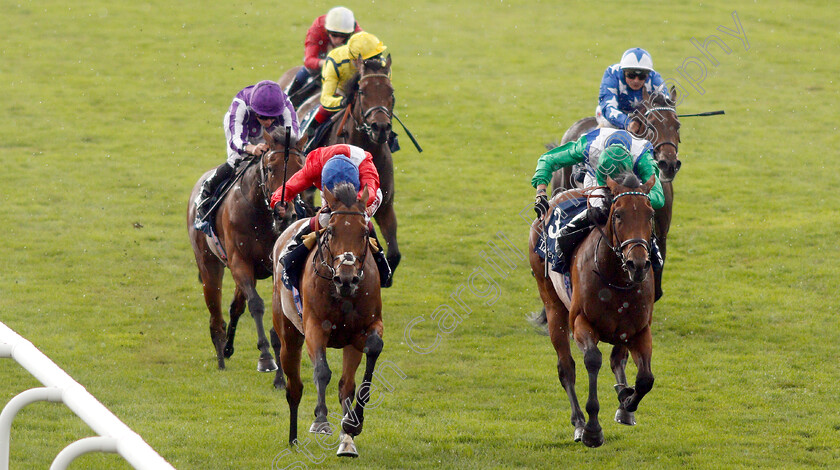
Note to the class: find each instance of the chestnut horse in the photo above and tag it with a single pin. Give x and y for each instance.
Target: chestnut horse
(368, 126)
(245, 227)
(342, 308)
(611, 301)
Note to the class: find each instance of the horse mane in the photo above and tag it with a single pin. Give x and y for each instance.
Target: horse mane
(278, 133)
(345, 193)
(661, 98)
(628, 179)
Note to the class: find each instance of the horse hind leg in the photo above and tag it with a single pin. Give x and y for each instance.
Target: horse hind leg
(244, 277)
(618, 363)
(211, 277)
(289, 357)
(237, 307)
(559, 333)
(277, 346)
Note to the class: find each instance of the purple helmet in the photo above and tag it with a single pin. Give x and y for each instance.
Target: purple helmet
(268, 99)
(339, 169)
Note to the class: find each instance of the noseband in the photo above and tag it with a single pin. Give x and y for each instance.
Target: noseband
(347, 258)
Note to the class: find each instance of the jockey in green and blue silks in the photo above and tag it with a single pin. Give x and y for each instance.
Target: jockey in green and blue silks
(622, 87)
(605, 153)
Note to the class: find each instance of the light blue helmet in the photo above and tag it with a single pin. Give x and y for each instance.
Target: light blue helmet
(339, 169)
(636, 58)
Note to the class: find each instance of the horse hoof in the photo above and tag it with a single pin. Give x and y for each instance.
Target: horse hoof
(623, 416)
(321, 428)
(266, 365)
(347, 448)
(593, 439)
(578, 434)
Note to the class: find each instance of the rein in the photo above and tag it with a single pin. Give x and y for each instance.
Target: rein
(347, 258)
(618, 250)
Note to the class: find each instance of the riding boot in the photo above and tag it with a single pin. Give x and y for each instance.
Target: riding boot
(573, 233)
(385, 274)
(657, 262)
(300, 87)
(295, 258)
(393, 142)
(205, 198)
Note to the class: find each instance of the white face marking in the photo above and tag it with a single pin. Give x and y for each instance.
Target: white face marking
(347, 222)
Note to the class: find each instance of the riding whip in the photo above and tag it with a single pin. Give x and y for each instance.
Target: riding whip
(285, 162)
(709, 113)
(408, 133)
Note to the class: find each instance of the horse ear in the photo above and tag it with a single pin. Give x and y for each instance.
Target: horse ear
(268, 138)
(328, 196)
(359, 63)
(388, 62)
(611, 183)
(645, 96)
(364, 197)
(673, 94)
(649, 185)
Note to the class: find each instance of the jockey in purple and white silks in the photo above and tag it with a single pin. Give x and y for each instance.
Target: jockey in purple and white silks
(622, 88)
(255, 109)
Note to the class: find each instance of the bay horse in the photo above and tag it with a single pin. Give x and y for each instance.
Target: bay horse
(366, 123)
(341, 308)
(611, 301)
(246, 230)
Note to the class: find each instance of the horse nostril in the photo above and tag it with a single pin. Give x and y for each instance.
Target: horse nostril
(662, 164)
(631, 266)
(337, 280)
(387, 127)
(355, 280)
(647, 265)
(679, 164)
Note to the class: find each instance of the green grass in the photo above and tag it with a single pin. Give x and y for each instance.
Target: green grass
(113, 110)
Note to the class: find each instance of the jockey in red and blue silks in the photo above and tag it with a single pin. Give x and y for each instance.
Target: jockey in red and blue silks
(622, 87)
(325, 167)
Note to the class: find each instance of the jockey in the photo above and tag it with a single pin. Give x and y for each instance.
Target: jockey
(324, 168)
(621, 89)
(326, 33)
(340, 67)
(605, 152)
(256, 108)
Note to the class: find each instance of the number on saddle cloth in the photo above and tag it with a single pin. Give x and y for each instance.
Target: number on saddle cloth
(564, 212)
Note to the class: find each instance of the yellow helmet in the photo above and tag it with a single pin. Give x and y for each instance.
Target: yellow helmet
(365, 45)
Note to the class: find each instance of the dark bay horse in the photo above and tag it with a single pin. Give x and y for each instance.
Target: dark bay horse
(368, 125)
(245, 227)
(342, 308)
(611, 301)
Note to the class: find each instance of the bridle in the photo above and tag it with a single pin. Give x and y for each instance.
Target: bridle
(643, 117)
(263, 182)
(324, 253)
(362, 122)
(618, 248)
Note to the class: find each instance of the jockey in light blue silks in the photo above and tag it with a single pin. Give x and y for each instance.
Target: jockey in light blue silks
(622, 88)
(605, 153)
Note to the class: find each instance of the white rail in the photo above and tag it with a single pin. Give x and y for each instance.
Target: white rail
(114, 435)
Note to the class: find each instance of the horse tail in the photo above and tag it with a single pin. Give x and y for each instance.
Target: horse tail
(539, 321)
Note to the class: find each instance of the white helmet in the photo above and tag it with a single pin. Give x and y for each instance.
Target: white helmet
(636, 58)
(340, 20)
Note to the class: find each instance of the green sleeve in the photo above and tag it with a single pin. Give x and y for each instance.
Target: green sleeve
(647, 168)
(565, 155)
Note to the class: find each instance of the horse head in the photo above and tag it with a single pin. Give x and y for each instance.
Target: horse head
(373, 98)
(631, 223)
(660, 125)
(346, 237)
(275, 168)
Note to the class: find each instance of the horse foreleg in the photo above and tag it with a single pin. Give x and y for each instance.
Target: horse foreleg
(290, 351)
(243, 274)
(237, 306)
(618, 363)
(641, 349)
(386, 217)
(353, 422)
(211, 278)
(316, 347)
(587, 340)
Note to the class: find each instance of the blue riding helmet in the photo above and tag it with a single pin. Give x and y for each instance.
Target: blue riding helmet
(339, 169)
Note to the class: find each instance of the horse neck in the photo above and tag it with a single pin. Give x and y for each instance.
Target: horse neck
(250, 186)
